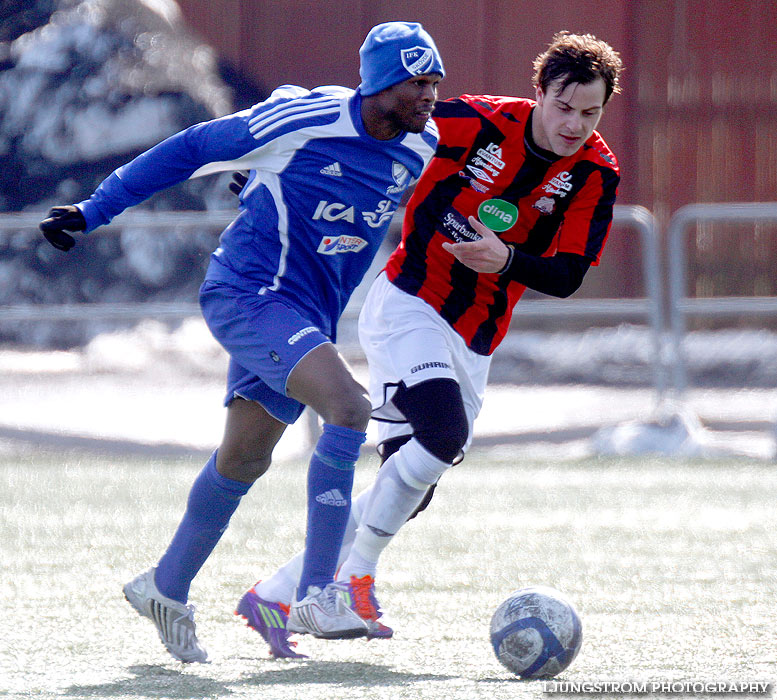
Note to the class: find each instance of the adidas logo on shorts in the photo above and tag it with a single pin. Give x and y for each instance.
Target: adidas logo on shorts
(332, 497)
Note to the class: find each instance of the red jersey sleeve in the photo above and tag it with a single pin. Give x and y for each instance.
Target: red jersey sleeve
(587, 221)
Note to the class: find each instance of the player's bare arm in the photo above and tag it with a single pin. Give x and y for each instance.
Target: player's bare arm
(487, 254)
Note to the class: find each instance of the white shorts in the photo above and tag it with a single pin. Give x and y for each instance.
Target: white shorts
(406, 340)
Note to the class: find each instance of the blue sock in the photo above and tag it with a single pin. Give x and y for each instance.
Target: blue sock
(330, 480)
(212, 500)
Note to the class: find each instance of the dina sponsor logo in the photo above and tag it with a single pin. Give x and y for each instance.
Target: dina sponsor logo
(498, 214)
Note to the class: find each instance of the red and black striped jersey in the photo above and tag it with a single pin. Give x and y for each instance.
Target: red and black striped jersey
(487, 165)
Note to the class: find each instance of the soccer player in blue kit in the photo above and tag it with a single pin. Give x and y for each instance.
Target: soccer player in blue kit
(328, 168)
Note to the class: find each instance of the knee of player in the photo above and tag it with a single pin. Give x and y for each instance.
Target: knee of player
(435, 410)
(246, 468)
(447, 439)
(350, 410)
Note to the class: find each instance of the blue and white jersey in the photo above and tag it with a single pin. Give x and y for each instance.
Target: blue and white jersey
(319, 199)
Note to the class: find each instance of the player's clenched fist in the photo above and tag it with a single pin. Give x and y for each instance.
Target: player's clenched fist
(488, 254)
(60, 223)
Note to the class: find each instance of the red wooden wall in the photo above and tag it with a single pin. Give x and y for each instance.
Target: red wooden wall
(697, 120)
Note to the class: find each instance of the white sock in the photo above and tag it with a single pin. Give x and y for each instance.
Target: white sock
(357, 565)
(279, 588)
(392, 502)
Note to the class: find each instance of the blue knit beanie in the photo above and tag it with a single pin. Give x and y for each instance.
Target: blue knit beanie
(396, 51)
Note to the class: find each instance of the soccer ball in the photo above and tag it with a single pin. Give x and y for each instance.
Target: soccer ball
(536, 632)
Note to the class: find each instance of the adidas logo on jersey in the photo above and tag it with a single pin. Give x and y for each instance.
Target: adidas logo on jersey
(333, 497)
(332, 169)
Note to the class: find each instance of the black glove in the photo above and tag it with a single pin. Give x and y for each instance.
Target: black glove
(60, 223)
(239, 179)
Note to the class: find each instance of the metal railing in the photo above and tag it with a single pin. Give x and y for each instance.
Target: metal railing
(649, 308)
(680, 306)
(97, 311)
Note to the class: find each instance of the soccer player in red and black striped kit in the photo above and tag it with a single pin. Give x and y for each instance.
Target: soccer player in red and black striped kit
(519, 194)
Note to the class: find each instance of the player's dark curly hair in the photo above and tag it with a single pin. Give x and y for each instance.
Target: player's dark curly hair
(578, 58)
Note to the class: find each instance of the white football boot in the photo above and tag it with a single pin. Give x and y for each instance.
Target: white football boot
(174, 621)
(325, 614)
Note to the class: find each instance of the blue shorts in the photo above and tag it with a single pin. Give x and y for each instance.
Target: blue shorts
(265, 338)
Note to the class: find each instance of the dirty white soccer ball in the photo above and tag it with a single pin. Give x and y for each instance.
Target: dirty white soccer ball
(536, 632)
